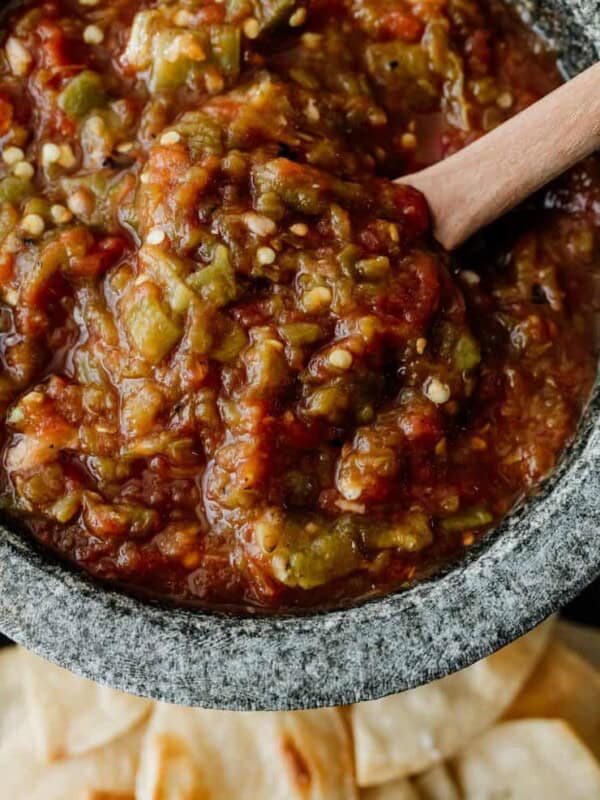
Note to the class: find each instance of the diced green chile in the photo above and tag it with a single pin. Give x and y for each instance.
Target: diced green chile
(202, 134)
(82, 94)
(169, 73)
(469, 519)
(308, 559)
(310, 551)
(230, 344)
(168, 271)
(301, 190)
(226, 44)
(14, 189)
(410, 532)
(299, 333)
(216, 282)
(104, 186)
(271, 13)
(467, 353)
(403, 69)
(153, 332)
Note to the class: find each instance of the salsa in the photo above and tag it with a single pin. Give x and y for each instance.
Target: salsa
(236, 370)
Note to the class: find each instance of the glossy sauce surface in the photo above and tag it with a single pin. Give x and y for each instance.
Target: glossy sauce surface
(236, 369)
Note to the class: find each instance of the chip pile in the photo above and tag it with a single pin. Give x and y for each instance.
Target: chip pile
(522, 724)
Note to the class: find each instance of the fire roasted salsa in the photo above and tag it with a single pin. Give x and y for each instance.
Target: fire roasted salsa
(235, 367)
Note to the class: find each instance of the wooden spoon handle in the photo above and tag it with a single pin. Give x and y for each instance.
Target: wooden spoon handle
(479, 183)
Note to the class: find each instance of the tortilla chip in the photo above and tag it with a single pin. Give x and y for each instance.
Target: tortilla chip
(12, 698)
(565, 686)
(107, 772)
(526, 760)
(436, 784)
(408, 733)
(94, 795)
(581, 638)
(221, 755)
(396, 790)
(71, 715)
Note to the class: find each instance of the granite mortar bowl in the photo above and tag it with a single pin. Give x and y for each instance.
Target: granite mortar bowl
(536, 561)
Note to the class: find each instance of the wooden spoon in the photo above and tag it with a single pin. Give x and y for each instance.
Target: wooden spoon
(479, 183)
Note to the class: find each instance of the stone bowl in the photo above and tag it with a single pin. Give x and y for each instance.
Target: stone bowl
(536, 561)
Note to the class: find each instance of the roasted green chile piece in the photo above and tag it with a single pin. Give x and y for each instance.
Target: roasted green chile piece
(301, 333)
(343, 399)
(230, 343)
(138, 53)
(308, 551)
(14, 189)
(102, 189)
(175, 62)
(9, 218)
(216, 282)
(202, 134)
(82, 94)
(403, 70)
(167, 270)
(225, 44)
(271, 13)
(266, 367)
(301, 189)
(373, 269)
(410, 532)
(469, 519)
(152, 331)
(467, 353)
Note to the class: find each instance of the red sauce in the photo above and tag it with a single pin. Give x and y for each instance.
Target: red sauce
(236, 369)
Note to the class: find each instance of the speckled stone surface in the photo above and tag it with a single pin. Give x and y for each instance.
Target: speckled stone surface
(538, 560)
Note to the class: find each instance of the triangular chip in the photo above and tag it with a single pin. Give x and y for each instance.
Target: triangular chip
(565, 686)
(107, 773)
(527, 760)
(407, 733)
(100, 795)
(436, 784)
(396, 790)
(71, 715)
(221, 755)
(13, 713)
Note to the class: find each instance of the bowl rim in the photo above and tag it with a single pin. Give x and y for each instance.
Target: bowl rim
(382, 646)
(538, 559)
